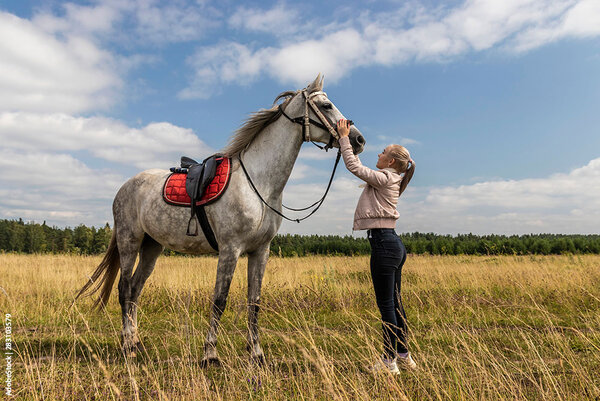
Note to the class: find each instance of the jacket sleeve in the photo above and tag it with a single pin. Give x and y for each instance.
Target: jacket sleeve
(353, 164)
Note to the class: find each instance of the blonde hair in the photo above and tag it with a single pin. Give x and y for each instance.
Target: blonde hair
(403, 164)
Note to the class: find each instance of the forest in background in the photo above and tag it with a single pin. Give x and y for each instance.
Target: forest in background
(29, 237)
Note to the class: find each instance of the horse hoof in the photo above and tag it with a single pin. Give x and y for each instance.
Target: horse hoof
(259, 360)
(131, 350)
(206, 362)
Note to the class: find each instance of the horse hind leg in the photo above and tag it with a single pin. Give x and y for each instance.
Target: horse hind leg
(129, 246)
(225, 268)
(149, 252)
(257, 262)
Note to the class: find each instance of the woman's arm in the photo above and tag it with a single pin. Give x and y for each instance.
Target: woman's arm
(352, 162)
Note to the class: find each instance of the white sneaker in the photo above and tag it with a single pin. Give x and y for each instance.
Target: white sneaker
(406, 362)
(385, 365)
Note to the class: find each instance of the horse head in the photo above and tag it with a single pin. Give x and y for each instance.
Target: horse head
(322, 115)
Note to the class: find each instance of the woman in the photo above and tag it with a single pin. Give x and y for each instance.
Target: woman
(376, 212)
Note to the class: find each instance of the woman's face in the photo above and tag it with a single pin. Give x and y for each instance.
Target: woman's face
(384, 159)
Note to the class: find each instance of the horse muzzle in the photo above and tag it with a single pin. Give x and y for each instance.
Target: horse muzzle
(357, 140)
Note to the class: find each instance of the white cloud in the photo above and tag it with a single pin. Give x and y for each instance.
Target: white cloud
(334, 55)
(313, 153)
(335, 215)
(562, 203)
(580, 21)
(59, 60)
(39, 72)
(80, 20)
(282, 19)
(388, 38)
(299, 172)
(141, 21)
(55, 187)
(55, 172)
(154, 145)
(556, 191)
(224, 63)
(174, 22)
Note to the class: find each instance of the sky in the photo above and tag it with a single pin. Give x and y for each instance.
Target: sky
(497, 101)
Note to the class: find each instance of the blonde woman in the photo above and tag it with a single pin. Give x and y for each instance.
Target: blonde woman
(376, 212)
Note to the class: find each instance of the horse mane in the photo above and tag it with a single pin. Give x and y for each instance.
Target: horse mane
(259, 120)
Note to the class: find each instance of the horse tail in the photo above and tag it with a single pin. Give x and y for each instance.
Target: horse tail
(105, 274)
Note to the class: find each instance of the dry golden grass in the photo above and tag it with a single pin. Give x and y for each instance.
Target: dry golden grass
(495, 328)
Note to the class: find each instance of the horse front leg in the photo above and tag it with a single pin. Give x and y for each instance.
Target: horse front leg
(257, 262)
(225, 268)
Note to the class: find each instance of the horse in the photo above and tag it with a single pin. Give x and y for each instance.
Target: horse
(144, 224)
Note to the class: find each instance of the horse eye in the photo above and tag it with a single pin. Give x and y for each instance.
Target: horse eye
(328, 106)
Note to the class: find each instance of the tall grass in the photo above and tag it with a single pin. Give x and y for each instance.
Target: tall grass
(493, 328)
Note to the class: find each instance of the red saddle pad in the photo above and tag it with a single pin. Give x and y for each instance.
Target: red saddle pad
(174, 190)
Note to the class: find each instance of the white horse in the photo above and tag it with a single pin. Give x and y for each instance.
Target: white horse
(144, 223)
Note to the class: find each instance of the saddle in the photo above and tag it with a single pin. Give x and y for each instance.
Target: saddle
(195, 185)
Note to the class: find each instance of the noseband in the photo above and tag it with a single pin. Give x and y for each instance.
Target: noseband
(306, 121)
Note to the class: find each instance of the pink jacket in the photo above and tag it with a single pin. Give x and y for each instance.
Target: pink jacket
(377, 204)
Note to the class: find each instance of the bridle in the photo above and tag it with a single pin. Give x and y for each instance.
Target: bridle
(306, 121)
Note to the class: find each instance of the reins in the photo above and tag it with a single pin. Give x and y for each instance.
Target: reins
(320, 201)
(306, 121)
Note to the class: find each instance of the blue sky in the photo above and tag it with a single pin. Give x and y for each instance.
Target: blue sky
(496, 100)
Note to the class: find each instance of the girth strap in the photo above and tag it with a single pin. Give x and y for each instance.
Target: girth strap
(206, 228)
(200, 216)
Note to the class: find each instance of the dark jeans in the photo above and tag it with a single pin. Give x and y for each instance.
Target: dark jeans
(387, 258)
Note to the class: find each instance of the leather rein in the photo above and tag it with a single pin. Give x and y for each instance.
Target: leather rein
(306, 121)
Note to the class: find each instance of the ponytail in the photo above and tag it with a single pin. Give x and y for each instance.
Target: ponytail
(407, 177)
(403, 164)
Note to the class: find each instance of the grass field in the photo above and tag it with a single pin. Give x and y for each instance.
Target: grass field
(497, 328)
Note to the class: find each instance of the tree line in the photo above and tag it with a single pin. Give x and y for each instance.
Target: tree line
(28, 237)
(436, 244)
(22, 237)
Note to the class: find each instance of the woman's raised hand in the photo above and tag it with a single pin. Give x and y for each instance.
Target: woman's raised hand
(343, 128)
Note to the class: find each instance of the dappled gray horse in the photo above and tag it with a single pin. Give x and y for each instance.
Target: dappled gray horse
(144, 223)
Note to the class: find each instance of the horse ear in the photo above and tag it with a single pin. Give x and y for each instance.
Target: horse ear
(316, 85)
